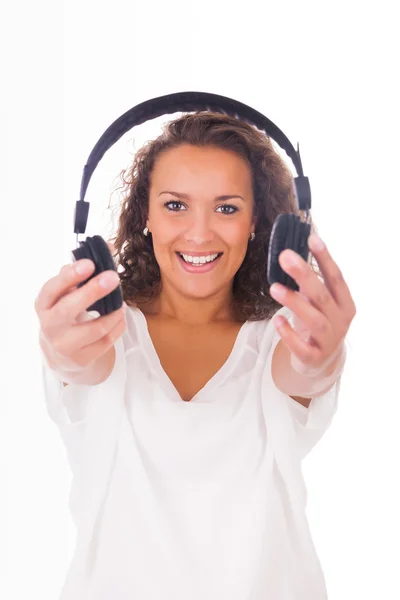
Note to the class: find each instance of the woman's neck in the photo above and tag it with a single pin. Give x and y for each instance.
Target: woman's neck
(191, 311)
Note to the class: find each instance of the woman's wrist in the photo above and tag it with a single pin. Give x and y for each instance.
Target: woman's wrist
(322, 381)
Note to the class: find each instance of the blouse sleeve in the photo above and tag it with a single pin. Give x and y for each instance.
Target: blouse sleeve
(310, 423)
(66, 405)
(71, 407)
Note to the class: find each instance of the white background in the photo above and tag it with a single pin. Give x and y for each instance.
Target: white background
(326, 74)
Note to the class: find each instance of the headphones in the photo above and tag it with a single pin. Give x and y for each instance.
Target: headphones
(288, 230)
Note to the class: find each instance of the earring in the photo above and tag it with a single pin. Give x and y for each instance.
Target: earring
(146, 231)
(252, 236)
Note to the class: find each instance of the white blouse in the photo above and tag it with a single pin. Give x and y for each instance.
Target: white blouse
(202, 499)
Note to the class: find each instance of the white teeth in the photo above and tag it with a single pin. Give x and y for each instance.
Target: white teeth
(198, 260)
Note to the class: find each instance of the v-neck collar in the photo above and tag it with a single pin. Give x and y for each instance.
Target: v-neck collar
(151, 354)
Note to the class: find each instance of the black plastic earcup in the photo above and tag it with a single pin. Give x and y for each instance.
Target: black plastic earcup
(96, 249)
(288, 231)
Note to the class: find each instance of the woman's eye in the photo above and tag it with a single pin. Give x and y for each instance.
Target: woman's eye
(230, 209)
(173, 205)
(176, 206)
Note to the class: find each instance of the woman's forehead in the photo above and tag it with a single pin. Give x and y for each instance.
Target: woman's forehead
(213, 166)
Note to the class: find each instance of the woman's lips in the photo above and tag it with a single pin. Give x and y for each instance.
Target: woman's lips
(205, 268)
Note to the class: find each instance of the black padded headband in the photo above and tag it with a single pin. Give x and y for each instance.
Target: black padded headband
(186, 102)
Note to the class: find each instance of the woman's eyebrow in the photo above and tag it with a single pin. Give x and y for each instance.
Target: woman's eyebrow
(217, 199)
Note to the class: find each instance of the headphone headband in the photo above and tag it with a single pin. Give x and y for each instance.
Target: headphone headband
(186, 102)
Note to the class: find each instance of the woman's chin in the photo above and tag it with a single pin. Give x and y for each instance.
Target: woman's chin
(202, 291)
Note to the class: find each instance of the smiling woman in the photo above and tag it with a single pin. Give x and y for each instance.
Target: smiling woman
(215, 181)
(186, 436)
(200, 220)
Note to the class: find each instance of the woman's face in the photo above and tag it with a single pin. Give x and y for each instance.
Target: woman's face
(200, 218)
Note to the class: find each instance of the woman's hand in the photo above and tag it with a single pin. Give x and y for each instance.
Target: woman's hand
(70, 339)
(323, 311)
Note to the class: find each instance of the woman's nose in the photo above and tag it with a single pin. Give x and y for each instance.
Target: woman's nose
(199, 230)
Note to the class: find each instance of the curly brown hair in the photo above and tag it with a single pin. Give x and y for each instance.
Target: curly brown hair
(272, 184)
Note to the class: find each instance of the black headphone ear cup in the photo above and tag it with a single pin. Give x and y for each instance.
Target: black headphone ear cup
(97, 250)
(288, 231)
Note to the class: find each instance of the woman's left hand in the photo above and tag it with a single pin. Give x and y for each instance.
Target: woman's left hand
(323, 310)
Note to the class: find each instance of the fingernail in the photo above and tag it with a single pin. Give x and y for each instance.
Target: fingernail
(291, 258)
(316, 243)
(108, 280)
(84, 266)
(279, 321)
(276, 290)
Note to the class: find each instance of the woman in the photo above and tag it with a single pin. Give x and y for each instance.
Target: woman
(186, 413)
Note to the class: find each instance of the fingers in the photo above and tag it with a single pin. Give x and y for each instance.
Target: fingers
(332, 275)
(328, 313)
(68, 308)
(98, 348)
(304, 351)
(57, 286)
(314, 321)
(309, 283)
(91, 338)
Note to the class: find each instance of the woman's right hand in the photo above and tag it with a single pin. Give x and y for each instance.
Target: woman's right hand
(71, 339)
